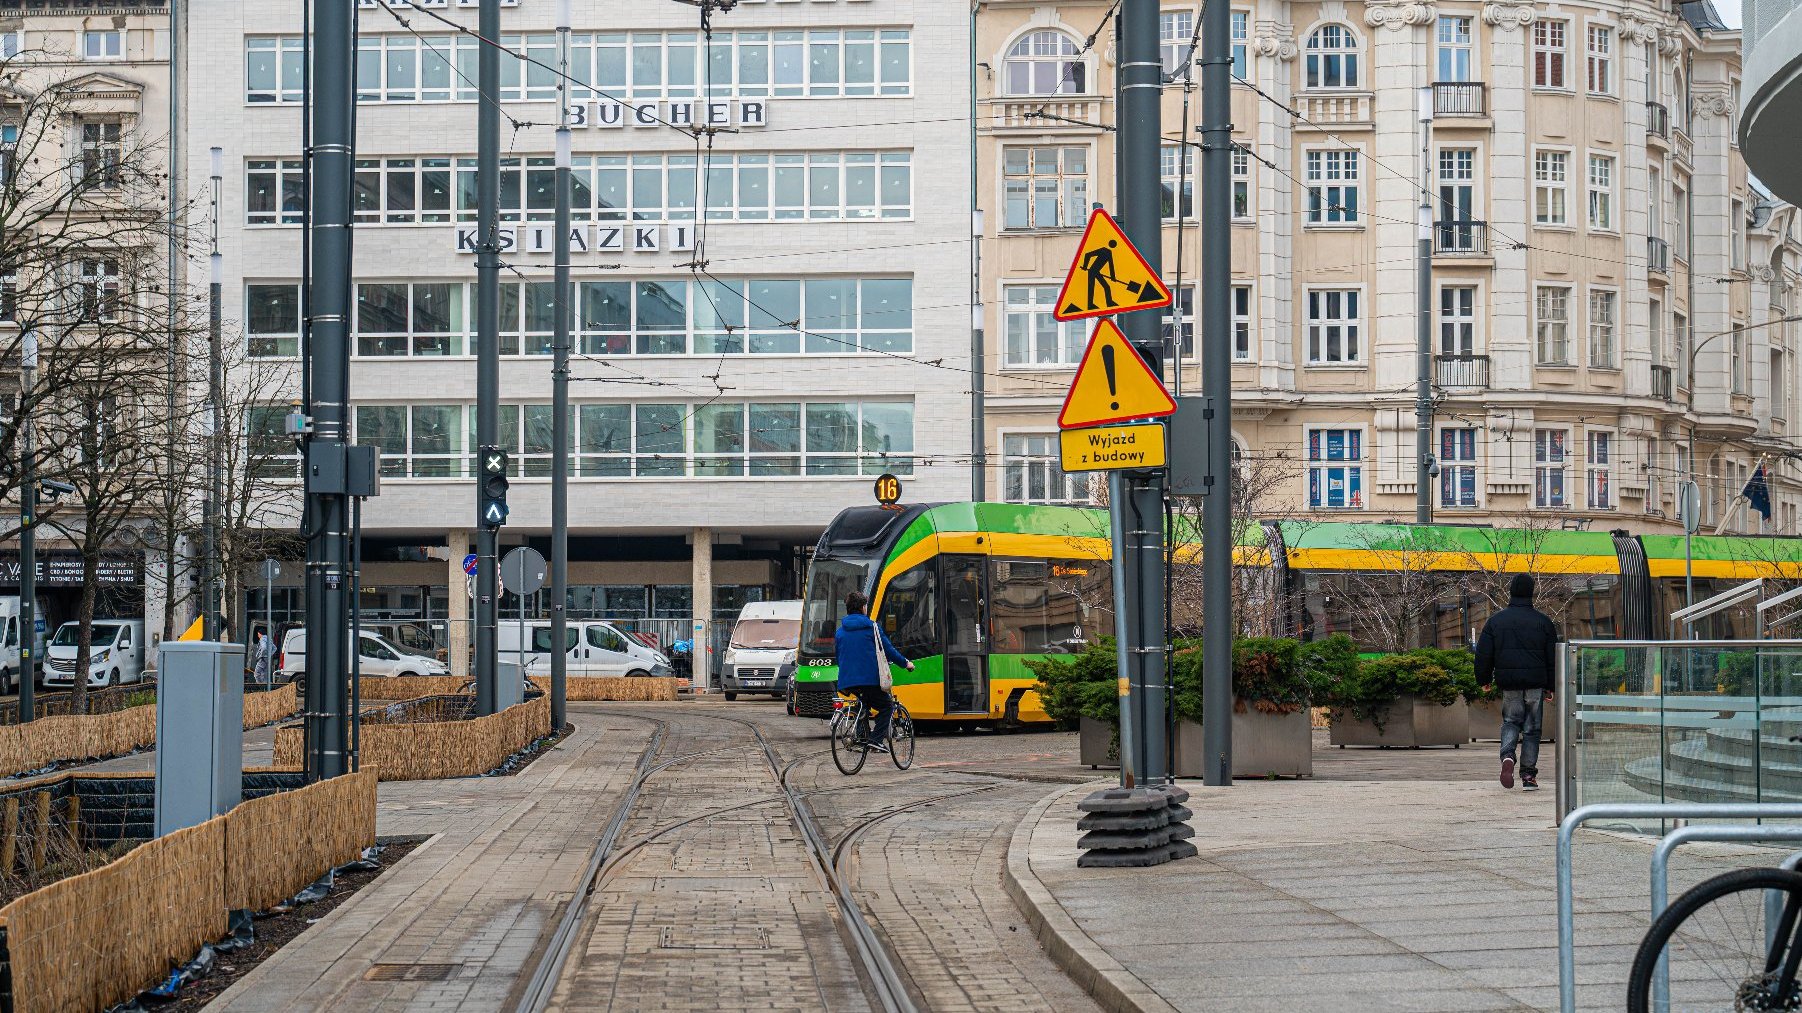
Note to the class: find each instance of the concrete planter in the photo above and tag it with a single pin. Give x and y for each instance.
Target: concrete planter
(1095, 743)
(1264, 745)
(1486, 721)
(1410, 723)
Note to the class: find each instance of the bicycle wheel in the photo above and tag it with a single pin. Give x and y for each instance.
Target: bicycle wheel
(1717, 955)
(847, 752)
(901, 737)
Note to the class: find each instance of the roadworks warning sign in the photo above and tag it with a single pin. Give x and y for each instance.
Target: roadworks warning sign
(1108, 275)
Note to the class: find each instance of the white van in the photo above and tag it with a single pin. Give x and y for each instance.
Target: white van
(761, 656)
(594, 648)
(377, 657)
(115, 653)
(10, 641)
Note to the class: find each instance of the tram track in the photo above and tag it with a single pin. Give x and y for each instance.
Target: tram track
(884, 984)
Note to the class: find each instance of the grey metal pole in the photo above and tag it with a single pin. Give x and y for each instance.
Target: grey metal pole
(211, 626)
(560, 435)
(979, 458)
(269, 620)
(28, 533)
(488, 325)
(1216, 331)
(178, 42)
(328, 359)
(1423, 326)
(1137, 195)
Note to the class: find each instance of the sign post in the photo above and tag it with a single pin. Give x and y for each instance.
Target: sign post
(522, 572)
(271, 569)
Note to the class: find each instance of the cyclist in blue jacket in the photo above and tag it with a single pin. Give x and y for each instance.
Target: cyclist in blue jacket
(858, 673)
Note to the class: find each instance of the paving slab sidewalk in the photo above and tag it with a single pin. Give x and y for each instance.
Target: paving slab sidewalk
(1407, 893)
(455, 924)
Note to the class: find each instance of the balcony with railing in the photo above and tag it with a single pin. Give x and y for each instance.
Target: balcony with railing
(1066, 114)
(1461, 239)
(1658, 255)
(1664, 384)
(1464, 370)
(1658, 120)
(1460, 98)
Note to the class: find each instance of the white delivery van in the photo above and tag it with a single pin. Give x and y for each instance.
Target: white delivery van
(115, 653)
(11, 642)
(376, 657)
(761, 656)
(592, 647)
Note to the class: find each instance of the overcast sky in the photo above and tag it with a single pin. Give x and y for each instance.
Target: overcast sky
(1729, 11)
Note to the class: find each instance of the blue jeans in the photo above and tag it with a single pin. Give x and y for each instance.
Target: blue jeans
(1521, 713)
(880, 704)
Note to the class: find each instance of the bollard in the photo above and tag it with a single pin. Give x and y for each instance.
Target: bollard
(1134, 827)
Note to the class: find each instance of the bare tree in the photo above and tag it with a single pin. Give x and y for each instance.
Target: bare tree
(261, 469)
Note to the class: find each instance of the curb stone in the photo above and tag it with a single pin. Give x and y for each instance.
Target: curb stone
(1082, 958)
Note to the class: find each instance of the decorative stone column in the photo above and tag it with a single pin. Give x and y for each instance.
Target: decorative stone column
(457, 594)
(1508, 330)
(1272, 68)
(701, 600)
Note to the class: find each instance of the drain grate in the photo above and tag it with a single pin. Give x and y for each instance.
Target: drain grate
(412, 972)
(753, 938)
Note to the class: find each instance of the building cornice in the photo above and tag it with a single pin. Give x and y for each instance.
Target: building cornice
(1509, 15)
(1398, 14)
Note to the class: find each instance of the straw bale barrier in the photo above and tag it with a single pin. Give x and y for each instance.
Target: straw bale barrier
(273, 705)
(277, 844)
(75, 737)
(590, 688)
(94, 940)
(410, 687)
(430, 750)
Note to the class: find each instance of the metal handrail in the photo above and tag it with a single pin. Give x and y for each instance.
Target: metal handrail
(1718, 603)
(1741, 644)
(1661, 881)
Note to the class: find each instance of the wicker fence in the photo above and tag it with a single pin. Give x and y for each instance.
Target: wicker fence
(93, 940)
(578, 687)
(273, 705)
(97, 736)
(429, 750)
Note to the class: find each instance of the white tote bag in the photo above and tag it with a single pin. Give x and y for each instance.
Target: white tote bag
(883, 677)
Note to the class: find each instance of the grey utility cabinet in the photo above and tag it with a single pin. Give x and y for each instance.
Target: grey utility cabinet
(199, 732)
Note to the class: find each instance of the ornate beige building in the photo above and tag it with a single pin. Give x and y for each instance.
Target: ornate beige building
(1607, 284)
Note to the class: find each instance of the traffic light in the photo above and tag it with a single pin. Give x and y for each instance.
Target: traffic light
(494, 467)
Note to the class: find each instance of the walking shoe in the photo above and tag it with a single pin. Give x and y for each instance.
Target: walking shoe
(878, 747)
(1507, 771)
(1529, 783)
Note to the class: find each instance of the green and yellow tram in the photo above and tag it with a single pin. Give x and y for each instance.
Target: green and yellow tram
(972, 591)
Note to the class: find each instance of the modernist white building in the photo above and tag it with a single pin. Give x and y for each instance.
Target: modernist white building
(768, 315)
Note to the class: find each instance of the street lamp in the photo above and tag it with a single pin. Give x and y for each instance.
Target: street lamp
(1689, 379)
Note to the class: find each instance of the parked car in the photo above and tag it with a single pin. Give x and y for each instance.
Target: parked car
(115, 653)
(376, 656)
(760, 658)
(593, 648)
(11, 660)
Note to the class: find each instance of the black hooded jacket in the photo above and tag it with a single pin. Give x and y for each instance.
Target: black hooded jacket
(1518, 648)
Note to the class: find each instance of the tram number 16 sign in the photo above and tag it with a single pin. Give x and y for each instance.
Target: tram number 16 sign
(888, 490)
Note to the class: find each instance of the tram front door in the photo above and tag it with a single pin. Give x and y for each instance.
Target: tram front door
(966, 634)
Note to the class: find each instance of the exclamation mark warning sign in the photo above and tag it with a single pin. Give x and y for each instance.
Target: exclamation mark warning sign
(1113, 384)
(1113, 380)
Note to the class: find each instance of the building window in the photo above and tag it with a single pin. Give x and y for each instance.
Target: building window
(1457, 467)
(1335, 474)
(1550, 183)
(1779, 385)
(1680, 341)
(102, 154)
(1457, 198)
(1332, 58)
(1241, 184)
(1552, 303)
(1242, 323)
(1736, 236)
(1457, 320)
(1177, 167)
(1034, 336)
(1597, 494)
(1030, 471)
(274, 69)
(1549, 450)
(1599, 59)
(1045, 188)
(1241, 33)
(1680, 205)
(12, 43)
(1739, 345)
(1332, 187)
(1654, 476)
(270, 452)
(1045, 63)
(103, 45)
(99, 283)
(1548, 54)
(1178, 321)
(1454, 49)
(1601, 193)
(1333, 323)
(275, 192)
(272, 320)
(1660, 354)
(1601, 328)
(1176, 35)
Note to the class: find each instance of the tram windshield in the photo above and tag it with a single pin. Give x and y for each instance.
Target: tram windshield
(828, 581)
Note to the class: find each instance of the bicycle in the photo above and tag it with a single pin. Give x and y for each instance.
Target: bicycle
(1731, 942)
(852, 723)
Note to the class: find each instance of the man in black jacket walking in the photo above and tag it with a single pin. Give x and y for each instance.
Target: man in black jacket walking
(1518, 652)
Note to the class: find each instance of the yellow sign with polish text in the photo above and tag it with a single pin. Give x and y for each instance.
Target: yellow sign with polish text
(1113, 448)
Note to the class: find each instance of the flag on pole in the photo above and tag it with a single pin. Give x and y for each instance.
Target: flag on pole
(1758, 493)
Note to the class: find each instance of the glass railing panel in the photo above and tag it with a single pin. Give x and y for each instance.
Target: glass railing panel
(1617, 747)
(1778, 752)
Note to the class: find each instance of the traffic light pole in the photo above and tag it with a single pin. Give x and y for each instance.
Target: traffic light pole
(1217, 388)
(28, 533)
(1138, 502)
(488, 325)
(560, 389)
